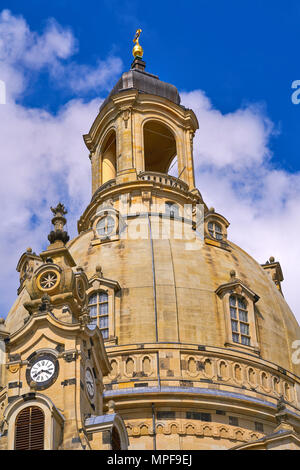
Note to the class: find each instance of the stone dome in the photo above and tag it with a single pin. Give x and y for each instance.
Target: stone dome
(184, 295)
(188, 309)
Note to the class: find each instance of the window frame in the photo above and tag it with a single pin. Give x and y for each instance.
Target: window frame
(98, 283)
(19, 428)
(106, 214)
(212, 217)
(109, 229)
(100, 315)
(213, 232)
(237, 288)
(53, 419)
(237, 319)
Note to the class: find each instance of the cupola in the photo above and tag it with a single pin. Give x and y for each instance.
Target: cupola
(141, 128)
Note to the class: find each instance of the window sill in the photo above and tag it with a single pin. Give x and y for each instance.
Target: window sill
(219, 243)
(101, 241)
(242, 347)
(111, 341)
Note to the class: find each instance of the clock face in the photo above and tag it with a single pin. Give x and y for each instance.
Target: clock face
(42, 370)
(90, 383)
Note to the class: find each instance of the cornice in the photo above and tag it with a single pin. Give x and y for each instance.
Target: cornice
(138, 102)
(188, 196)
(33, 324)
(232, 285)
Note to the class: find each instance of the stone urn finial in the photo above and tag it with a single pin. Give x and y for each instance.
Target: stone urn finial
(59, 221)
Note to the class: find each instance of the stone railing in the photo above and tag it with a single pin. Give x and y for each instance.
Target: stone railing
(164, 179)
(197, 368)
(160, 178)
(104, 186)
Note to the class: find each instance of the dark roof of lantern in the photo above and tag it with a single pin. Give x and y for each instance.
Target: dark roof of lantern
(136, 78)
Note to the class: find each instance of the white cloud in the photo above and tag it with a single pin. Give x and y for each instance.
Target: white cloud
(81, 78)
(239, 138)
(43, 160)
(54, 44)
(24, 52)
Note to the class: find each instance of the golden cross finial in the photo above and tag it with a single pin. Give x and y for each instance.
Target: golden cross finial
(137, 51)
(137, 35)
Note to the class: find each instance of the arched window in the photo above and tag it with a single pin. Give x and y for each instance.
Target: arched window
(239, 320)
(98, 305)
(108, 155)
(30, 429)
(215, 230)
(159, 147)
(171, 209)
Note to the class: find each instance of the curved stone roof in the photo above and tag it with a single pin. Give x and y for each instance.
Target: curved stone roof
(144, 82)
(186, 301)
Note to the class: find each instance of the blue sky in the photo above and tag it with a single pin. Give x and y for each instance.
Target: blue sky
(233, 62)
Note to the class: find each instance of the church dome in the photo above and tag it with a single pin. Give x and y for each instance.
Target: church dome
(200, 339)
(185, 295)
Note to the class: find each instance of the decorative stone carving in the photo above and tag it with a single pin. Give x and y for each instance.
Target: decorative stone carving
(59, 222)
(125, 116)
(129, 367)
(146, 365)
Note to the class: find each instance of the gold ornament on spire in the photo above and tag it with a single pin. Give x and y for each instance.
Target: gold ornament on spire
(137, 51)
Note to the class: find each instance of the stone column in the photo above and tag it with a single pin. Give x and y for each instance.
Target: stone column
(138, 148)
(189, 161)
(96, 181)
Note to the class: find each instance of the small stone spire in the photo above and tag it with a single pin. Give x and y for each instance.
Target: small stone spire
(59, 221)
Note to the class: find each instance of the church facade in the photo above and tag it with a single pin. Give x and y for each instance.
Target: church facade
(150, 329)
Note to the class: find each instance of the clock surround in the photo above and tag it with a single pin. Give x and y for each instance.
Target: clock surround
(46, 368)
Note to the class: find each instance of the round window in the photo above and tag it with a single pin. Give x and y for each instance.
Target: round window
(105, 226)
(48, 280)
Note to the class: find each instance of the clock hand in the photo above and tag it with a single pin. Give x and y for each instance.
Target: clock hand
(40, 372)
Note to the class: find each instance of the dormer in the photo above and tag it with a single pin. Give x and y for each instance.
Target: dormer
(27, 264)
(215, 229)
(238, 304)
